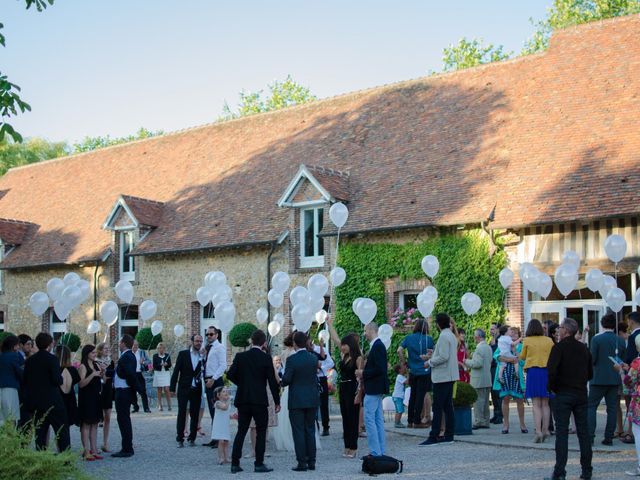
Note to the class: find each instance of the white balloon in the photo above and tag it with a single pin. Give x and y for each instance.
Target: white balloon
(72, 296)
(109, 312)
(338, 214)
(615, 299)
(226, 289)
(545, 285)
(61, 309)
(278, 317)
(226, 313)
(301, 314)
(225, 325)
(637, 296)
(298, 295)
(615, 246)
(337, 276)
(178, 330)
(572, 258)
(280, 282)
(220, 295)
(535, 280)
(354, 305)
(71, 278)
(594, 279)
(273, 328)
(316, 303)
(148, 310)
(471, 303)
(566, 278)
(324, 336)
(318, 285)
(386, 342)
(55, 286)
(215, 279)
(367, 310)
(385, 331)
(204, 296)
(430, 294)
(608, 282)
(262, 315)
(276, 299)
(425, 307)
(39, 303)
(430, 265)
(93, 327)
(156, 327)
(530, 276)
(505, 277)
(124, 291)
(85, 288)
(321, 317)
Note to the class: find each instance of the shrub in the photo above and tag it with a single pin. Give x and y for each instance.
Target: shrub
(147, 340)
(71, 340)
(241, 333)
(465, 396)
(4, 335)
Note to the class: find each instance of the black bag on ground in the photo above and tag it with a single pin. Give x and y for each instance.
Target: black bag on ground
(374, 465)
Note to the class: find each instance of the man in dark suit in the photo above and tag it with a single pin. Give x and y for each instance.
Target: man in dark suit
(606, 380)
(126, 385)
(376, 385)
(187, 374)
(304, 398)
(251, 371)
(42, 377)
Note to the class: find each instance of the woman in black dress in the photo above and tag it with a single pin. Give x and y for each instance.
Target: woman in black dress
(89, 401)
(349, 388)
(70, 378)
(104, 359)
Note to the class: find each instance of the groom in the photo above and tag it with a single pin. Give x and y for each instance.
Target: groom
(301, 376)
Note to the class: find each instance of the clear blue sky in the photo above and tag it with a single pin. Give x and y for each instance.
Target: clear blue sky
(110, 67)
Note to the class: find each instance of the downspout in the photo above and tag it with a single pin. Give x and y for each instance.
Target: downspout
(95, 299)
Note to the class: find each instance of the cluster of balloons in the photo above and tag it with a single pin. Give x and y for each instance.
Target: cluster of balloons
(216, 291)
(280, 282)
(426, 300)
(66, 294)
(308, 302)
(109, 309)
(365, 309)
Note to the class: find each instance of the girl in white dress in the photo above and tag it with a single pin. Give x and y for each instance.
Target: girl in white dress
(220, 429)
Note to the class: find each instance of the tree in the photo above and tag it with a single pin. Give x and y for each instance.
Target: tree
(566, 13)
(13, 154)
(10, 102)
(281, 95)
(94, 143)
(471, 53)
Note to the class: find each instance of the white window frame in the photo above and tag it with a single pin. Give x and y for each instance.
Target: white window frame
(57, 327)
(402, 294)
(4, 321)
(205, 323)
(315, 260)
(131, 276)
(135, 322)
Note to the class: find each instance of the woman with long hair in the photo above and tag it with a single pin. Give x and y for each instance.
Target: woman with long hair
(70, 378)
(536, 349)
(89, 401)
(162, 375)
(462, 356)
(350, 391)
(107, 394)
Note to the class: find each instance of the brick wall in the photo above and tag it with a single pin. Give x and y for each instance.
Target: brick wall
(514, 303)
(394, 286)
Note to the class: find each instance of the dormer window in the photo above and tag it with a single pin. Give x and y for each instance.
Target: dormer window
(126, 239)
(311, 245)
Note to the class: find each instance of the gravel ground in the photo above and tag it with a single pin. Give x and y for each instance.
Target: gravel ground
(157, 458)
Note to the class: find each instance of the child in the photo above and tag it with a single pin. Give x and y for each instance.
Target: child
(506, 345)
(398, 392)
(221, 421)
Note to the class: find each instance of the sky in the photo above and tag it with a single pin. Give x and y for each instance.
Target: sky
(90, 68)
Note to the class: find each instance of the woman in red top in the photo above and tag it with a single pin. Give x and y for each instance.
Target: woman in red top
(462, 356)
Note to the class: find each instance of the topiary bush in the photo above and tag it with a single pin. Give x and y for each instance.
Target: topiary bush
(4, 335)
(465, 395)
(147, 340)
(241, 333)
(71, 340)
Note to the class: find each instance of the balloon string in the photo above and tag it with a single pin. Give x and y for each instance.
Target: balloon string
(615, 272)
(333, 289)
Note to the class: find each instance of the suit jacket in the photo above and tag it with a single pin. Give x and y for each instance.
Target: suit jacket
(480, 365)
(42, 378)
(126, 369)
(603, 346)
(376, 379)
(444, 362)
(251, 371)
(632, 351)
(300, 374)
(185, 372)
(157, 362)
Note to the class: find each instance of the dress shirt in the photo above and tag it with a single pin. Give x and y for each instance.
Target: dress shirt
(216, 361)
(195, 359)
(325, 364)
(137, 353)
(120, 382)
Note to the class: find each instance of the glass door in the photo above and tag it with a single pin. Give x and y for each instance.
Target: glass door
(591, 315)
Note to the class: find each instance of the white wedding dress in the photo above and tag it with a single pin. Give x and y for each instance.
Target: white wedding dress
(282, 434)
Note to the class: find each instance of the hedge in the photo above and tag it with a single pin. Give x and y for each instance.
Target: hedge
(241, 333)
(147, 340)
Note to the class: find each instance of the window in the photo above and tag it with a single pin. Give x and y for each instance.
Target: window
(127, 262)
(207, 313)
(57, 327)
(207, 319)
(2, 327)
(311, 246)
(128, 322)
(407, 300)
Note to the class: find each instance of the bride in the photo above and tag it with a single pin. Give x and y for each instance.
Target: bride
(282, 433)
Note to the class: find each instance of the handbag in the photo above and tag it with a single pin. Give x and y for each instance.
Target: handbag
(375, 465)
(357, 400)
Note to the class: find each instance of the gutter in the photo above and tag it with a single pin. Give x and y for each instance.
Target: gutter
(202, 249)
(397, 228)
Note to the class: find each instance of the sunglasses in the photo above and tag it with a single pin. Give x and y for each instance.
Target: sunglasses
(210, 334)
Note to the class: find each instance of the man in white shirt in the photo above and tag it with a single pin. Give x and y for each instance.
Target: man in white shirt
(215, 361)
(326, 362)
(142, 360)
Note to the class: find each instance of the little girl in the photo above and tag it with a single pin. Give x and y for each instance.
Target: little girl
(221, 422)
(506, 344)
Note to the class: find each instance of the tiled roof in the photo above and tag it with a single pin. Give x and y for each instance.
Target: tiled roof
(147, 212)
(14, 232)
(334, 181)
(551, 137)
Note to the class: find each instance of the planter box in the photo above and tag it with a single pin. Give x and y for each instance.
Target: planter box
(463, 422)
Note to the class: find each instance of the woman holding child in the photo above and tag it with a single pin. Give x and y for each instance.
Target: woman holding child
(510, 377)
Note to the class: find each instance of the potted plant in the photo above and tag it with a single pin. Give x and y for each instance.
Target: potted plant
(464, 397)
(147, 340)
(241, 333)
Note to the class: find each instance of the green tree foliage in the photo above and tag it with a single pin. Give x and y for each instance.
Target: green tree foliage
(33, 150)
(10, 102)
(471, 53)
(240, 334)
(281, 95)
(93, 143)
(147, 340)
(566, 13)
(71, 340)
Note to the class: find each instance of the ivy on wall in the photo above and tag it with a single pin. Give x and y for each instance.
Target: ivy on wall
(465, 266)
